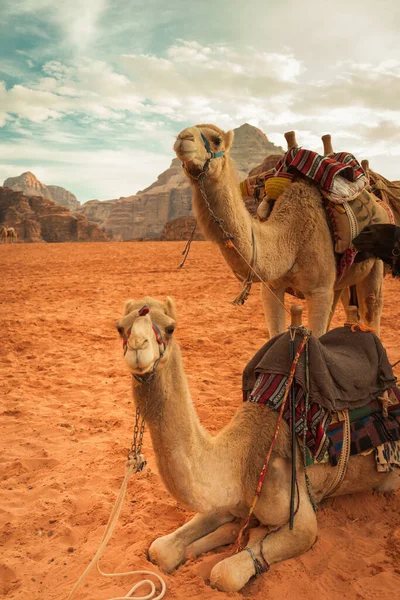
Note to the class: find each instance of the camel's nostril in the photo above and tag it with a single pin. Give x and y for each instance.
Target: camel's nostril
(188, 136)
(120, 329)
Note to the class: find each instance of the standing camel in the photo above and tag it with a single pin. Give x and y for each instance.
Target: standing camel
(12, 235)
(216, 476)
(293, 248)
(8, 233)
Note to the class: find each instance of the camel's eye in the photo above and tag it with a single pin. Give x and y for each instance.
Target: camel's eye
(217, 141)
(170, 330)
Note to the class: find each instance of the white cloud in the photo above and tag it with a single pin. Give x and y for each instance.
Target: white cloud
(142, 97)
(77, 20)
(202, 83)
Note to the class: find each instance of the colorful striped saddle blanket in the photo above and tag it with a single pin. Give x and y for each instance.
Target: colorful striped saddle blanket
(340, 176)
(370, 429)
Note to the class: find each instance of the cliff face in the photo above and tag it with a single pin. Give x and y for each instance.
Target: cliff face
(31, 186)
(145, 214)
(38, 219)
(181, 229)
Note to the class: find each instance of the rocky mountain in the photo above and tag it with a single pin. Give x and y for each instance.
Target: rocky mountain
(250, 147)
(38, 219)
(145, 214)
(31, 186)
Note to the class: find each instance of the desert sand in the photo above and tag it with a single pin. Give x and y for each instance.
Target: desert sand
(67, 421)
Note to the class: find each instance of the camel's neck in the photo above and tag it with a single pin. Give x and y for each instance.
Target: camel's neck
(179, 441)
(225, 201)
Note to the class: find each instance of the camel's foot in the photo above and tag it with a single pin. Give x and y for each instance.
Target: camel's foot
(231, 574)
(167, 552)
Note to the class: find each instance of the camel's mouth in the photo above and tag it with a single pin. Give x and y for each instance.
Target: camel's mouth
(138, 363)
(186, 149)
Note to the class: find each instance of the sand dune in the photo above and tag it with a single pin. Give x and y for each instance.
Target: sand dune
(67, 421)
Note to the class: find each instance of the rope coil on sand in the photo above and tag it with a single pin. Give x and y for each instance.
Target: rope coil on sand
(131, 466)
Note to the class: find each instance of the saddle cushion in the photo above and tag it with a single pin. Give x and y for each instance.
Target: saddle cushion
(349, 218)
(347, 369)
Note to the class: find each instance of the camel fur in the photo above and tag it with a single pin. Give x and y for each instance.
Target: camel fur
(294, 246)
(216, 476)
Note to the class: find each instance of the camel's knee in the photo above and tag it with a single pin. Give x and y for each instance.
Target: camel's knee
(373, 305)
(295, 542)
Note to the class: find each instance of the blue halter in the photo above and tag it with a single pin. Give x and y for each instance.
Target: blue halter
(207, 147)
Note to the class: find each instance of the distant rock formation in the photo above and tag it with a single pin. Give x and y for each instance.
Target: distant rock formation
(250, 147)
(181, 229)
(37, 219)
(31, 186)
(145, 214)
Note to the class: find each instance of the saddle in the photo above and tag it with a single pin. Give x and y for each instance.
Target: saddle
(351, 385)
(350, 204)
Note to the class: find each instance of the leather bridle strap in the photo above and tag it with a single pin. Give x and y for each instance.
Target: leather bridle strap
(208, 148)
(163, 345)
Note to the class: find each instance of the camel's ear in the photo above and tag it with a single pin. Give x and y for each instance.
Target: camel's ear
(128, 306)
(170, 306)
(229, 140)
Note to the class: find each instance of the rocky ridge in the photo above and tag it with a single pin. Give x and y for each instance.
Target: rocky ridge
(30, 185)
(38, 219)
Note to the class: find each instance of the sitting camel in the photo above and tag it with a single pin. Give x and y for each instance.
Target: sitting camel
(383, 241)
(216, 476)
(292, 249)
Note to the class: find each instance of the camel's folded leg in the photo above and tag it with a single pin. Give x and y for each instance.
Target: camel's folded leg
(226, 534)
(170, 550)
(231, 574)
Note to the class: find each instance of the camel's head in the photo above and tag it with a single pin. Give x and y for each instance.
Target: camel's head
(195, 145)
(146, 329)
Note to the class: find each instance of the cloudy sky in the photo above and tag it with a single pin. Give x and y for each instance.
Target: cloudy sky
(93, 92)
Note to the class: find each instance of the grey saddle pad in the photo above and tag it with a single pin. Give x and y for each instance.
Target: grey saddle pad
(347, 369)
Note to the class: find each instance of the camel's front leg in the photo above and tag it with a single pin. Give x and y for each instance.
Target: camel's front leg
(231, 574)
(226, 534)
(319, 303)
(274, 310)
(170, 550)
